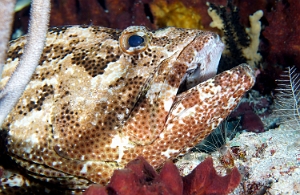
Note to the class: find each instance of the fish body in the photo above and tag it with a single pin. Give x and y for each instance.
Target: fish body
(101, 97)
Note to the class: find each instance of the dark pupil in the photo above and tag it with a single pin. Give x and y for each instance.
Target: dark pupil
(135, 40)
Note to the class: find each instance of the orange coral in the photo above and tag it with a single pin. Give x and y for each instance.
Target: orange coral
(183, 14)
(175, 14)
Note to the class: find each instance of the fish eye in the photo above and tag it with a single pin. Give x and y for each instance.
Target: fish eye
(134, 39)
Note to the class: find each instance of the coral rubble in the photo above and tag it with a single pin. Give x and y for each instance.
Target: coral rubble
(268, 162)
(140, 178)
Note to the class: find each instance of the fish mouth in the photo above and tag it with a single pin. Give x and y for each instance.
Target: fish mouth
(204, 64)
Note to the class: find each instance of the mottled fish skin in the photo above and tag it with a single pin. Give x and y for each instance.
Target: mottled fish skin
(94, 103)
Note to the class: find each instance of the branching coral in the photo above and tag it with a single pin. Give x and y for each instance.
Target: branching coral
(140, 178)
(242, 44)
(228, 21)
(251, 52)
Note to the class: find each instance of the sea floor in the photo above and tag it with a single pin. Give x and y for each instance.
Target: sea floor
(269, 162)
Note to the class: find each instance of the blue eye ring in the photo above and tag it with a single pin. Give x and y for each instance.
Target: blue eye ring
(134, 39)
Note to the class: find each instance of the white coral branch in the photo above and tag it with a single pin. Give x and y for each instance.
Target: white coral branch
(251, 52)
(38, 26)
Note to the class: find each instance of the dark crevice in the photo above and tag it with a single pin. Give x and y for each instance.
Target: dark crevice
(148, 12)
(77, 3)
(102, 3)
